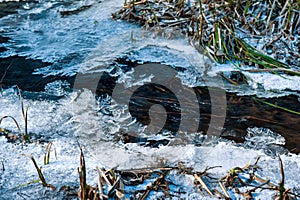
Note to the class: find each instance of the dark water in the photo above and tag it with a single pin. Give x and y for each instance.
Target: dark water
(242, 111)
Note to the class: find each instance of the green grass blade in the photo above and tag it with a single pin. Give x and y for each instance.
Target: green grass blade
(276, 106)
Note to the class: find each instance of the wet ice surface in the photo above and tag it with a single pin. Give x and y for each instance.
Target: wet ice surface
(90, 39)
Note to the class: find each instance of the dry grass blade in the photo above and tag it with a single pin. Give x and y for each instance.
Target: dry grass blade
(15, 121)
(198, 178)
(271, 185)
(4, 74)
(100, 185)
(145, 194)
(159, 183)
(41, 176)
(24, 115)
(82, 177)
(224, 189)
(149, 170)
(86, 191)
(24, 136)
(130, 5)
(103, 175)
(260, 186)
(47, 154)
(113, 187)
(283, 193)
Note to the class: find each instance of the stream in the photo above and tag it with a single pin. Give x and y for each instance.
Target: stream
(131, 98)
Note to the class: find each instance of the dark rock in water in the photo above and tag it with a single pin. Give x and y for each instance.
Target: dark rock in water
(155, 94)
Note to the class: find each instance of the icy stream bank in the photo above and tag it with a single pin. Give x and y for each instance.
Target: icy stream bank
(82, 43)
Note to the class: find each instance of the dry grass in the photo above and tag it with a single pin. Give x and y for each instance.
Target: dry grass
(221, 28)
(118, 184)
(24, 111)
(141, 183)
(41, 179)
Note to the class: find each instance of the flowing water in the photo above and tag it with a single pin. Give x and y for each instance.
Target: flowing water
(74, 50)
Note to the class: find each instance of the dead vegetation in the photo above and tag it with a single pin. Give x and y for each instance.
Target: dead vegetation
(24, 135)
(41, 179)
(142, 183)
(261, 34)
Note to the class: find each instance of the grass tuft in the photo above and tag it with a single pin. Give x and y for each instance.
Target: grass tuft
(48, 151)
(223, 28)
(24, 110)
(42, 179)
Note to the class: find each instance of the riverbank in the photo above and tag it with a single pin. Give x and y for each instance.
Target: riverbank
(46, 47)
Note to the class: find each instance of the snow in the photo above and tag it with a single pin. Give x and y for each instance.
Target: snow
(63, 171)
